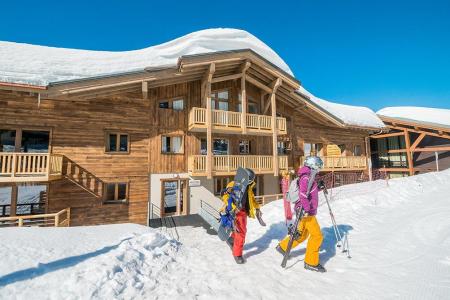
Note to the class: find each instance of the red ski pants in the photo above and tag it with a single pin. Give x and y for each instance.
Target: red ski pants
(239, 236)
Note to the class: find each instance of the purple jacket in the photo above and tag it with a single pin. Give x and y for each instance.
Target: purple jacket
(309, 205)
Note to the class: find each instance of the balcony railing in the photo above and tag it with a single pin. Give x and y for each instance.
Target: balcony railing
(28, 167)
(230, 121)
(228, 164)
(341, 163)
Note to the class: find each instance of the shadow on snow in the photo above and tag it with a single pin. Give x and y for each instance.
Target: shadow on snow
(278, 231)
(56, 265)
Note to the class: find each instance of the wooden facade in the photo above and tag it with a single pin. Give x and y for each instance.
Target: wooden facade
(151, 111)
(411, 147)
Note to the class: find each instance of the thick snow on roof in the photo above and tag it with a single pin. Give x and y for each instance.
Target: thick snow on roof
(349, 114)
(436, 116)
(40, 65)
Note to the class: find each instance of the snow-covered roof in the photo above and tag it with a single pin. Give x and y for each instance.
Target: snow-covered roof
(348, 114)
(40, 65)
(425, 115)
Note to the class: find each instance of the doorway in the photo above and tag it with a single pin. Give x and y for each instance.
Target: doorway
(174, 195)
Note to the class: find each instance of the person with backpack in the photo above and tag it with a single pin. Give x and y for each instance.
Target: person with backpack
(248, 207)
(307, 198)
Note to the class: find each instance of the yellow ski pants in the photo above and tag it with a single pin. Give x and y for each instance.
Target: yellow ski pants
(308, 227)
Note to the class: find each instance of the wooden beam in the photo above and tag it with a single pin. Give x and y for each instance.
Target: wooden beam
(266, 108)
(417, 141)
(100, 87)
(226, 78)
(243, 103)
(397, 151)
(14, 194)
(244, 67)
(274, 86)
(258, 84)
(209, 144)
(145, 89)
(444, 136)
(369, 157)
(380, 136)
(408, 153)
(432, 149)
(394, 169)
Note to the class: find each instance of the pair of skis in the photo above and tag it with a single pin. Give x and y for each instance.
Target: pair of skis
(293, 235)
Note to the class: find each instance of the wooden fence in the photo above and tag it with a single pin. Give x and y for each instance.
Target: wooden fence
(59, 219)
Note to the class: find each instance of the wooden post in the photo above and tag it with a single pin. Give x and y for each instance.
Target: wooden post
(209, 143)
(369, 158)
(244, 69)
(275, 84)
(408, 153)
(13, 207)
(145, 89)
(436, 155)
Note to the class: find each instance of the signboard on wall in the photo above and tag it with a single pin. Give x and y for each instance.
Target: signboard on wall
(193, 182)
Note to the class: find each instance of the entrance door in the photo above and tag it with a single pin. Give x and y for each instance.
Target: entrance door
(174, 197)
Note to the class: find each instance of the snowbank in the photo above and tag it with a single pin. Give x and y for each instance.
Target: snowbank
(399, 238)
(434, 116)
(349, 114)
(40, 65)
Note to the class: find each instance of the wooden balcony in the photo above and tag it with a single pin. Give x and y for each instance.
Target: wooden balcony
(224, 165)
(30, 167)
(230, 122)
(341, 163)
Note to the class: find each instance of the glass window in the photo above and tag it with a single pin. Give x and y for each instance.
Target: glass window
(311, 149)
(282, 147)
(164, 104)
(123, 143)
(357, 151)
(170, 196)
(178, 104)
(223, 95)
(171, 144)
(113, 142)
(220, 183)
(223, 105)
(244, 147)
(35, 141)
(117, 142)
(253, 108)
(5, 201)
(7, 140)
(220, 147)
(121, 191)
(116, 191)
(175, 104)
(219, 100)
(110, 191)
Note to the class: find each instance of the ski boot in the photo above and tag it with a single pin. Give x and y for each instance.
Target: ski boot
(239, 260)
(319, 268)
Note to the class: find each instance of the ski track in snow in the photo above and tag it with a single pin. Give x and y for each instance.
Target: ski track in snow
(399, 237)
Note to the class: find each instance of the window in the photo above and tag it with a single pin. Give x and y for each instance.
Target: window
(175, 104)
(283, 147)
(220, 183)
(220, 147)
(311, 149)
(35, 141)
(116, 192)
(244, 147)
(219, 100)
(252, 108)
(7, 140)
(357, 150)
(172, 144)
(117, 142)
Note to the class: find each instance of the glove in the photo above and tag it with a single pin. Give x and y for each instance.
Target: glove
(305, 214)
(321, 185)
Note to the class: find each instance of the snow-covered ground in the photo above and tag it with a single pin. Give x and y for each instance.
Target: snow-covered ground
(399, 237)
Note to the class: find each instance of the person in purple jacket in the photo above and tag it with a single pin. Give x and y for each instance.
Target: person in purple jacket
(308, 226)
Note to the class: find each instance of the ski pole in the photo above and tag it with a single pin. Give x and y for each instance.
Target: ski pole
(335, 228)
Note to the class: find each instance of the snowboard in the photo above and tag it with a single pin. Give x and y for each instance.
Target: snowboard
(224, 232)
(241, 182)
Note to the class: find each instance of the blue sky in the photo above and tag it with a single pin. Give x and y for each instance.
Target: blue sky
(371, 53)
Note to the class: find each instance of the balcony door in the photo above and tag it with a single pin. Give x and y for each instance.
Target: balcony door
(174, 197)
(28, 141)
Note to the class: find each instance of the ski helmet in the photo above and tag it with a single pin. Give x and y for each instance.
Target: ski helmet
(314, 162)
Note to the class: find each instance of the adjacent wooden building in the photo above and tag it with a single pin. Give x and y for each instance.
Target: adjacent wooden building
(411, 147)
(161, 141)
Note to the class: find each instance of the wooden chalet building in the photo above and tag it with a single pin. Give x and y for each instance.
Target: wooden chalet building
(126, 147)
(412, 146)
